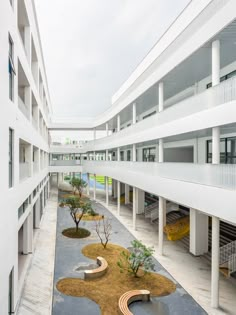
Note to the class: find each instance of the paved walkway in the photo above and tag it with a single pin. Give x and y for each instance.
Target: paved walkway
(69, 257)
(193, 273)
(36, 297)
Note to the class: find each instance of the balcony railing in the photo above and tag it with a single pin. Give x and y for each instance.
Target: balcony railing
(65, 162)
(215, 96)
(23, 108)
(221, 175)
(24, 170)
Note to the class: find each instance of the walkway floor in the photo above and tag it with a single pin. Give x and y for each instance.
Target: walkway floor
(36, 296)
(69, 257)
(193, 273)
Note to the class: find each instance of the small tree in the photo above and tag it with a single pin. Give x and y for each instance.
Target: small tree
(78, 184)
(103, 229)
(139, 256)
(77, 209)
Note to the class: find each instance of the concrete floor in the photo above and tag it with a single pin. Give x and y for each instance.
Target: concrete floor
(36, 298)
(193, 273)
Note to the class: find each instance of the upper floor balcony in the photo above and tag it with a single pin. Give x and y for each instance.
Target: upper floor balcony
(203, 110)
(214, 186)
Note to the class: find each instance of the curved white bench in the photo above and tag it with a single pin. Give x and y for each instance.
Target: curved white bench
(129, 297)
(97, 272)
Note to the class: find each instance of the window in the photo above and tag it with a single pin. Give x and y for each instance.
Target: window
(11, 69)
(11, 292)
(227, 151)
(225, 77)
(149, 154)
(10, 161)
(122, 156)
(128, 155)
(148, 115)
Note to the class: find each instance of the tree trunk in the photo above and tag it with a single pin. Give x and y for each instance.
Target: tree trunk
(77, 226)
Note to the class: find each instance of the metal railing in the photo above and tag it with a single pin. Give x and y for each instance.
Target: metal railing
(226, 252)
(232, 264)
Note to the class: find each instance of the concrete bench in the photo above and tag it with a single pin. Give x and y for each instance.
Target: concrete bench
(129, 297)
(97, 272)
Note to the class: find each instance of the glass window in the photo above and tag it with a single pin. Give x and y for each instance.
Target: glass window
(128, 155)
(122, 155)
(223, 78)
(227, 150)
(11, 69)
(149, 154)
(10, 165)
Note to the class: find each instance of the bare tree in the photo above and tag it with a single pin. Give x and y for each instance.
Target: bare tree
(103, 229)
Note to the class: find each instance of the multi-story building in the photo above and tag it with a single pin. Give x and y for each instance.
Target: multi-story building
(25, 106)
(171, 136)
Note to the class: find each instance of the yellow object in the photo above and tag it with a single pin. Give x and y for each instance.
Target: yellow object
(177, 230)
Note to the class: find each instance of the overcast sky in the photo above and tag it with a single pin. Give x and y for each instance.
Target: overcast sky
(92, 46)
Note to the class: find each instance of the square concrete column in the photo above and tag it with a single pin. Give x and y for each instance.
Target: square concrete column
(107, 130)
(94, 134)
(161, 96)
(134, 208)
(139, 201)
(118, 197)
(37, 214)
(27, 235)
(126, 194)
(161, 151)
(198, 232)
(134, 158)
(118, 154)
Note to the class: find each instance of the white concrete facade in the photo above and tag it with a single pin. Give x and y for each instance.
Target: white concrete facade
(170, 132)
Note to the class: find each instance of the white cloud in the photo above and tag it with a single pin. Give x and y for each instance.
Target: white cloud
(92, 46)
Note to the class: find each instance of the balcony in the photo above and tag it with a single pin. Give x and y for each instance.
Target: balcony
(214, 186)
(65, 162)
(144, 130)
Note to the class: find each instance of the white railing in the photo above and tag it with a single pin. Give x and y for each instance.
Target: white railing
(221, 175)
(220, 94)
(227, 251)
(65, 162)
(23, 108)
(24, 170)
(232, 264)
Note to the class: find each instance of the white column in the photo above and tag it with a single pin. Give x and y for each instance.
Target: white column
(118, 197)
(161, 223)
(107, 191)
(139, 200)
(134, 208)
(107, 129)
(118, 123)
(134, 113)
(26, 237)
(37, 213)
(198, 232)
(126, 194)
(134, 153)
(161, 151)
(88, 184)
(94, 156)
(114, 182)
(215, 260)
(118, 154)
(94, 188)
(30, 233)
(107, 153)
(215, 81)
(161, 96)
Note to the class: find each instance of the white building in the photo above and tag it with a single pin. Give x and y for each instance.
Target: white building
(171, 133)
